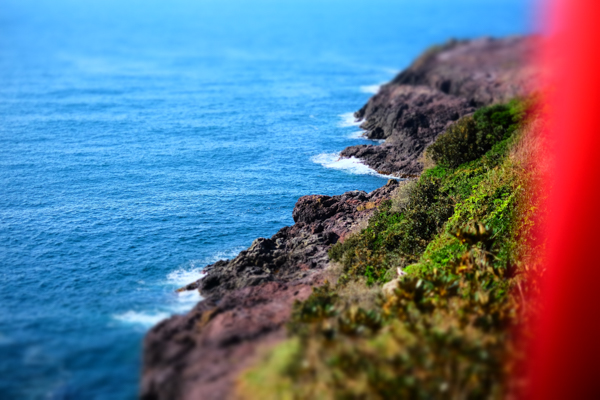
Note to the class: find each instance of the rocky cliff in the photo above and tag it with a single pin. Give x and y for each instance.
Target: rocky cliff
(248, 299)
(444, 84)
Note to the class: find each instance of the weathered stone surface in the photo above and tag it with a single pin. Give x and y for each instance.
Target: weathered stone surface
(444, 84)
(198, 355)
(248, 300)
(295, 250)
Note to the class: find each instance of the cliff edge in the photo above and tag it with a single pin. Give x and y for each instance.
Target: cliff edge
(444, 84)
(249, 299)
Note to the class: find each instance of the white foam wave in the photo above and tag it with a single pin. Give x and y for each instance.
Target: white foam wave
(350, 165)
(361, 135)
(144, 319)
(181, 302)
(183, 276)
(371, 89)
(392, 71)
(192, 270)
(186, 301)
(224, 255)
(348, 119)
(357, 135)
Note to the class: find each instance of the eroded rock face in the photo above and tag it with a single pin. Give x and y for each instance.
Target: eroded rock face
(198, 355)
(249, 300)
(444, 84)
(294, 251)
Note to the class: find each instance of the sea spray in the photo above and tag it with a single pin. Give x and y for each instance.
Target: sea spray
(370, 89)
(141, 318)
(348, 120)
(350, 165)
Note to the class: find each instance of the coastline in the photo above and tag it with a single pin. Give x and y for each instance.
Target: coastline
(248, 300)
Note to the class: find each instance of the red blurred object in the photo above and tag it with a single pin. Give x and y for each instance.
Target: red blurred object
(566, 354)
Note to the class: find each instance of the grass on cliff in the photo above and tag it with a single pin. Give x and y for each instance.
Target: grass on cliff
(443, 200)
(462, 234)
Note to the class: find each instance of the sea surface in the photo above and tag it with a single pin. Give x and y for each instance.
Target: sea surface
(143, 140)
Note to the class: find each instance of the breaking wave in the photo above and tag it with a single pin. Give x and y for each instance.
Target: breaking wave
(350, 165)
(371, 89)
(143, 319)
(348, 120)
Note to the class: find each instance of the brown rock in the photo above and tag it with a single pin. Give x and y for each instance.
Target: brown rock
(198, 355)
(249, 300)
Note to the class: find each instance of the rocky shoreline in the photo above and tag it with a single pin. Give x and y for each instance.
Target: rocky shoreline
(248, 299)
(444, 84)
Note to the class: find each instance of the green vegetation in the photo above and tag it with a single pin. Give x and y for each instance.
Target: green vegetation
(461, 233)
(472, 137)
(443, 200)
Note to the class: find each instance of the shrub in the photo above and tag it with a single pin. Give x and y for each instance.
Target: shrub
(443, 335)
(394, 238)
(472, 137)
(401, 196)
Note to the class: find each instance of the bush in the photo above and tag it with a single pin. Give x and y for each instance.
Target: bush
(472, 137)
(394, 238)
(443, 335)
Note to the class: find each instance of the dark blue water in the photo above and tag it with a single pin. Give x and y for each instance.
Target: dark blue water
(142, 140)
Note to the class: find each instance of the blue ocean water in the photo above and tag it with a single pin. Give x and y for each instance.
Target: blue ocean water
(143, 140)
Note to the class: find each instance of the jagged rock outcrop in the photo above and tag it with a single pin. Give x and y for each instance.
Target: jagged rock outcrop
(248, 300)
(198, 355)
(444, 84)
(295, 250)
